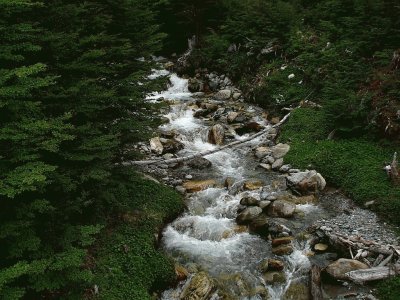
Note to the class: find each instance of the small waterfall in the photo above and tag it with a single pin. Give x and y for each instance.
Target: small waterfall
(178, 89)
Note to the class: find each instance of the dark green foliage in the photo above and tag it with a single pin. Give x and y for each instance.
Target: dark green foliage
(389, 289)
(70, 108)
(128, 265)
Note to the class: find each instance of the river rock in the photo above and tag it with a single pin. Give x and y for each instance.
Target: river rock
(260, 224)
(199, 163)
(278, 229)
(229, 181)
(168, 134)
(285, 168)
(282, 250)
(181, 272)
(156, 145)
(195, 85)
(216, 134)
(320, 247)
(306, 182)
(251, 185)
(248, 214)
(223, 94)
(265, 166)
(297, 291)
(277, 164)
(281, 241)
(280, 150)
(236, 96)
(199, 288)
(281, 208)
(232, 116)
(339, 268)
(198, 185)
(249, 201)
(262, 152)
(273, 277)
(310, 199)
(275, 265)
(264, 204)
(171, 146)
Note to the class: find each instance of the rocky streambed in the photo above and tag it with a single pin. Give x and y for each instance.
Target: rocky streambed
(254, 226)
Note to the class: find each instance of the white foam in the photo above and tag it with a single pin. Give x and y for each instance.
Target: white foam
(178, 90)
(157, 73)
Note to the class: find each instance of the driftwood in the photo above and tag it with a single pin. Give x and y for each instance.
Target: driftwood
(372, 274)
(207, 152)
(316, 290)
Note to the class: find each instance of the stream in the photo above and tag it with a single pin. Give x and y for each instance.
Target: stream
(206, 238)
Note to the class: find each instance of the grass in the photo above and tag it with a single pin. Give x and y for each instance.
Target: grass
(355, 165)
(128, 264)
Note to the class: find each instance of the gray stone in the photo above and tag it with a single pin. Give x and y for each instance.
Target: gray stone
(281, 208)
(156, 146)
(280, 150)
(249, 201)
(248, 214)
(277, 164)
(223, 94)
(305, 182)
(216, 135)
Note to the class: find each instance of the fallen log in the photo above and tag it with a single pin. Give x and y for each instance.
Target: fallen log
(376, 273)
(316, 290)
(207, 152)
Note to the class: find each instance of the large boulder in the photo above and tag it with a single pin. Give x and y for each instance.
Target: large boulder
(171, 145)
(306, 182)
(339, 268)
(216, 135)
(199, 163)
(199, 288)
(281, 208)
(198, 185)
(280, 150)
(156, 145)
(249, 214)
(223, 94)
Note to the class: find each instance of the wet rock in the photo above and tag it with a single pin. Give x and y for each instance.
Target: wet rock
(169, 65)
(156, 146)
(306, 182)
(262, 152)
(181, 272)
(198, 185)
(168, 134)
(229, 181)
(339, 268)
(249, 201)
(199, 163)
(260, 224)
(248, 215)
(249, 128)
(201, 113)
(280, 150)
(275, 265)
(223, 94)
(310, 199)
(277, 164)
(297, 291)
(216, 134)
(282, 250)
(232, 116)
(273, 277)
(277, 229)
(264, 204)
(281, 241)
(171, 146)
(281, 208)
(264, 265)
(251, 185)
(199, 288)
(320, 247)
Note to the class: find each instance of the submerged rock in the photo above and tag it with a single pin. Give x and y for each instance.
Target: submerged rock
(273, 277)
(199, 163)
(252, 185)
(199, 288)
(339, 268)
(198, 185)
(297, 291)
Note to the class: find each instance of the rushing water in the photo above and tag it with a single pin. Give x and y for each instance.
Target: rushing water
(206, 237)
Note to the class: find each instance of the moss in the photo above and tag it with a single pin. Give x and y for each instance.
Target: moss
(128, 265)
(389, 289)
(356, 165)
